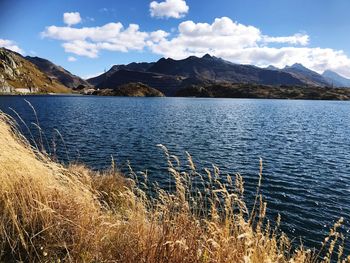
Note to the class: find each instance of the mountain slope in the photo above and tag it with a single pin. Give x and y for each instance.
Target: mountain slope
(164, 83)
(335, 79)
(140, 67)
(306, 75)
(19, 75)
(169, 75)
(59, 73)
(219, 70)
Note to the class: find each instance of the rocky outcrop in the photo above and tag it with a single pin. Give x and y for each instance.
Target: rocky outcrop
(17, 75)
(130, 90)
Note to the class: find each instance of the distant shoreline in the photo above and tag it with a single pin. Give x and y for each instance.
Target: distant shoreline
(170, 97)
(225, 90)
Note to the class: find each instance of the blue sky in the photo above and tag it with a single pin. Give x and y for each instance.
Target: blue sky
(260, 32)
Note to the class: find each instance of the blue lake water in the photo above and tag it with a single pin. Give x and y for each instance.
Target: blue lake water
(305, 145)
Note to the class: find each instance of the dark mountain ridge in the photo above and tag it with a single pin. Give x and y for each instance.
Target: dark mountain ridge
(170, 75)
(57, 72)
(134, 66)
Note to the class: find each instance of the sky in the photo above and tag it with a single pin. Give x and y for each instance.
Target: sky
(88, 37)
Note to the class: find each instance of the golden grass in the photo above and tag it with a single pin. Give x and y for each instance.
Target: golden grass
(52, 213)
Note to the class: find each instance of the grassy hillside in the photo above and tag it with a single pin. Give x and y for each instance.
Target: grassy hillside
(17, 75)
(53, 213)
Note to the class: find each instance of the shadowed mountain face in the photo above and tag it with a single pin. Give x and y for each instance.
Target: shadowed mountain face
(139, 67)
(18, 75)
(335, 79)
(169, 75)
(219, 70)
(131, 90)
(165, 83)
(59, 73)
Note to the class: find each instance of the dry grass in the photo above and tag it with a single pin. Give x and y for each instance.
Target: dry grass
(51, 213)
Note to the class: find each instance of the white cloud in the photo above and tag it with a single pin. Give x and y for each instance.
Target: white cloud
(81, 48)
(72, 59)
(88, 41)
(72, 18)
(11, 45)
(158, 35)
(296, 39)
(247, 45)
(169, 8)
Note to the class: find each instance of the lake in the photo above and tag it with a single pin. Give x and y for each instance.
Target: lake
(305, 145)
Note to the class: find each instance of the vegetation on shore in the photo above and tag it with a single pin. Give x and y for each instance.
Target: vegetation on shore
(135, 89)
(56, 213)
(229, 90)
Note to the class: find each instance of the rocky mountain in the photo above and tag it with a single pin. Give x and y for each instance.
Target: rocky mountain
(169, 75)
(59, 73)
(219, 70)
(18, 75)
(307, 76)
(335, 79)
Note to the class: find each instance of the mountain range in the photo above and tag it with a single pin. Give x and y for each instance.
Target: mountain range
(169, 76)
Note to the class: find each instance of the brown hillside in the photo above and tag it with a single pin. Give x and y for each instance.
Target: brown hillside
(17, 75)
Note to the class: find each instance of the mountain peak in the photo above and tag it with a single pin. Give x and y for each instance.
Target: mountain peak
(207, 56)
(297, 66)
(191, 57)
(328, 72)
(163, 59)
(272, 68)
(336, 79)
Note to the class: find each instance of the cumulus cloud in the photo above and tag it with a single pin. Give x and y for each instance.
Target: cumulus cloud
(11, 45)
(81, 48)
(88, 41)
(158, 36)
(72, 18)
(72, 59)
(169, 8)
